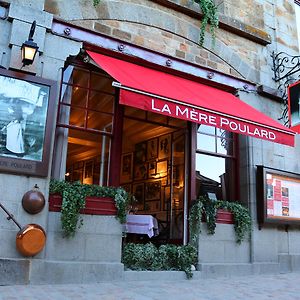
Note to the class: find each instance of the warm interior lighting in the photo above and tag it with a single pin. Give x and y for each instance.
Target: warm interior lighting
(29, 48)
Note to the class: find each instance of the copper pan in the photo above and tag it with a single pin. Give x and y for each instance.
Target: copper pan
(30, 239)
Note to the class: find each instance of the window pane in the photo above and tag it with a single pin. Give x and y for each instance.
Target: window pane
(206, 129)
(99, 121)
(87, 157)
(79, 97)
(80, 77)
(224, 146)
(101, 83)
(77, 117)
(210, 166)
(206, 142)
(101, 102)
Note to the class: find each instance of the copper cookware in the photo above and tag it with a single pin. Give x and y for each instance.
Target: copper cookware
(30, 239)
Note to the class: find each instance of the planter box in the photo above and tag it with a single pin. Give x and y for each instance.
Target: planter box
(93, 205)
(224, 217)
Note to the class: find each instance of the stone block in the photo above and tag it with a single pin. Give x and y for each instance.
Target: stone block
(59, 272)
(102, 272)
(66, 47)
(285, 264)
(59, 248)
(5, 32)
(224, 270)
(103, 248)
(8, 244)
(29, 14)
(155, 275)
(13, 272)
(211, 252)
(20, 31)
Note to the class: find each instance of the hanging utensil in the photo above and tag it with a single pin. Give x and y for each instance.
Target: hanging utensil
(30, 239)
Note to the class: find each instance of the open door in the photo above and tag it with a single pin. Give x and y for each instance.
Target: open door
(178, 203)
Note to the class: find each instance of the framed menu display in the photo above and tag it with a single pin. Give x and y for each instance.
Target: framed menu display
(278, 196)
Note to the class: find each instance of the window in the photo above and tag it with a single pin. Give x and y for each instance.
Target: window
(215, 163)
(84, 126)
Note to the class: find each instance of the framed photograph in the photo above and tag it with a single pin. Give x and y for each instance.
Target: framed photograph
(140, 153)
(152, 206)
(88, 172)
(26, 123)
(138, 190)
(152, 169)
(167, 198)
(164, 146)
(126, 167)
(153, 190)
(140, 171)
(152, 149)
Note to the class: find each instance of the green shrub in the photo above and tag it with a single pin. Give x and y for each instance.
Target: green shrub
(166, 257)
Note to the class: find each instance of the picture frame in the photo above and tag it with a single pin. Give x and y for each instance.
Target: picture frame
(164, 146)
(126, 167)
(153, 190)
(140, 153)
(26, 122)
(153, 206)
(152, 149)
(167, 198)
(138, 190)
(151, 169)
(140, 171)
(88, 172)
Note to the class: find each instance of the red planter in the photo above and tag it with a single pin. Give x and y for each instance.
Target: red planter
(93, 205)
(224, 217)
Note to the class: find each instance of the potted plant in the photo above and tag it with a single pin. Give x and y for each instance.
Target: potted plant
(73, 199)
(213, 211)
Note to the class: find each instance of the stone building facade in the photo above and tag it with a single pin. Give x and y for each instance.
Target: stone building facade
(249, 32)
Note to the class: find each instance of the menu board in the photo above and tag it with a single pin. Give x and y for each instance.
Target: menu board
(278, 196)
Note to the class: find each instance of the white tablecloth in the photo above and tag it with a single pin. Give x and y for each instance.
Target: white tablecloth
(142, 224)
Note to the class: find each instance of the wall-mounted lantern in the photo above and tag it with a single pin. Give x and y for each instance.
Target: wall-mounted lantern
(29, 47)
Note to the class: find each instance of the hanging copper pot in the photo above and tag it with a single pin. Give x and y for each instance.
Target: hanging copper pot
(30, 239)
(33, 201)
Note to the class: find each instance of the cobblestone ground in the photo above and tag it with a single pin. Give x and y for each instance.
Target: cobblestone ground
(259, 287)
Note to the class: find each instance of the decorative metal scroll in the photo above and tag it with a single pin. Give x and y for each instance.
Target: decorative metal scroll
(286, 70)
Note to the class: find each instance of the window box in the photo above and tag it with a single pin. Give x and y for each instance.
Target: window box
(93, 205)
(224, 217)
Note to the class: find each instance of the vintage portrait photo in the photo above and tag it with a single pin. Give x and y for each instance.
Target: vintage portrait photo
(164, 146)
(153, 190)
(126, 167)
(152, 149)
(140, 171)
(140, 153)
(23, 114)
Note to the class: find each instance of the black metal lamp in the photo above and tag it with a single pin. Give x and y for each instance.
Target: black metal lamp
(29, 48)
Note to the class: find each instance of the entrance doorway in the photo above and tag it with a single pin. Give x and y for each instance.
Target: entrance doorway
(152, 169)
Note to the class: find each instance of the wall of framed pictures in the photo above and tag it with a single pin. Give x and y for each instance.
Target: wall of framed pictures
(145, 173)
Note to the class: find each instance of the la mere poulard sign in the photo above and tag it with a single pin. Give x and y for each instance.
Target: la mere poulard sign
(202, 116)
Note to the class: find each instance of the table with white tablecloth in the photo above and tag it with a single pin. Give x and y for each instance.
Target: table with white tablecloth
(142, 224)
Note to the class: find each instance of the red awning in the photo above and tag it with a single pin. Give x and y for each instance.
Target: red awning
(174, 96)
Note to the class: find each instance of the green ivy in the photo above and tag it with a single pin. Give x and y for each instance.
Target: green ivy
(166, 257)
(206, 208)
(73, 200)
(209, 16)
